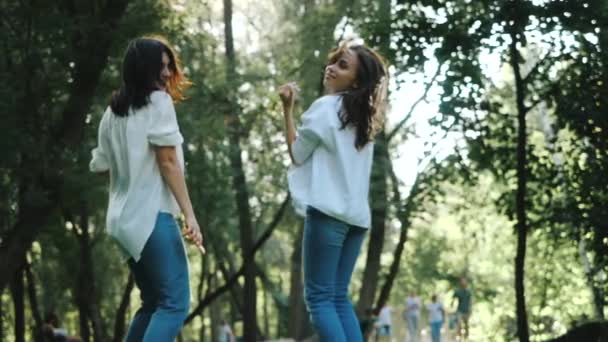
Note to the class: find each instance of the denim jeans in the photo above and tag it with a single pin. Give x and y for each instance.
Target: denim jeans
(162, 278)
(436, 331)
(412, 326)
(330, 249)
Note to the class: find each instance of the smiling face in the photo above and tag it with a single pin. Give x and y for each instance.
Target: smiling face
(341, 71)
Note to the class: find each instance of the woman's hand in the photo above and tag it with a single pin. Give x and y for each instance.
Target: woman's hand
(193, 233)
(288, 93)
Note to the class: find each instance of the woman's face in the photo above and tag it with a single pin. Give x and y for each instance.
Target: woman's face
(342, 73)
(165, 72)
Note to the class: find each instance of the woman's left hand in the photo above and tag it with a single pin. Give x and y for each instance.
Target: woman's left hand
(288, 93)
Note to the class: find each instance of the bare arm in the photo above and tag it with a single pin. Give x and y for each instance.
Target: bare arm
(169, 166)
(287, 92)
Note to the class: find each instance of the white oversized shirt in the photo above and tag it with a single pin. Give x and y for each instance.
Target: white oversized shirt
(137, 190)
(330, 174)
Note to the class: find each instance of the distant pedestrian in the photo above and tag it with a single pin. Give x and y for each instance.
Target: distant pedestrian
(463, 311)
(226, 334)
(413, 305)
(436, 314)
(384, 324)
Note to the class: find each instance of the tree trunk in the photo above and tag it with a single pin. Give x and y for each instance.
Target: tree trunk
(266, 331)
(83, 320)
(240, 185)
(594, 286)
(299, 325)
(378, 200)
(20, 238)
(200, 292)
(31, 290)
(275, 292)
(378, 186)
(81, 285)
(121, 313)
(18, 305)
(214, 312)
(89, 64)
(404, 211)
(86, 292)
(1, 316)
(236, 291)
(520, 199)
(233, 279)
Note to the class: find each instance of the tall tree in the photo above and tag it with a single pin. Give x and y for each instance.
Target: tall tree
(33, 299)
(299, 323)
(17, 292)
(380, 39)
(240, 186)
(39, 173)
(518, 22)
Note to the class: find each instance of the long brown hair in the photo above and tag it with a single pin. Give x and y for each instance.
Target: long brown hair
(363, 105)
(141, 73)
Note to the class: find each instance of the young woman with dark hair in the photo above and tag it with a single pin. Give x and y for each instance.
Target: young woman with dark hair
(332, 153)
(139, 144)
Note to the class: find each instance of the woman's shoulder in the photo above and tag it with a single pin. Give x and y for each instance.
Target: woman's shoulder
(327, 100)
(161, 104)
(107, 115)
(160, 97)
(322, 106)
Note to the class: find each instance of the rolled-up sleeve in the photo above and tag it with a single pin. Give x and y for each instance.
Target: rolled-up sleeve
(311, 133)
(99, 161)
(99, 158)
(163, 129)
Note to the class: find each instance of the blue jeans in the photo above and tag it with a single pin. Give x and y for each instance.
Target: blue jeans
(412, 326)
(162, 278)
(436, 331)
(330, 249)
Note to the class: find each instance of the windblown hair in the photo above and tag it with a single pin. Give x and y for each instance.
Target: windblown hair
(141, 69)
(363, 105)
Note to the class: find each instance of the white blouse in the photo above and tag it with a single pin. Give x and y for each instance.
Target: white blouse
(137, 189)
(330, 174)
(435, 312)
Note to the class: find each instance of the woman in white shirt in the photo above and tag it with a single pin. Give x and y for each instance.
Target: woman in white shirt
(226, 334)
(435, 309)
(384, 325)
(139, 144)
(329, 181)
(412, 315)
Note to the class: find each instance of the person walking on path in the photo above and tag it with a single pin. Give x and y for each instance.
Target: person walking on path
(139, 145)
(463, 311)
(384, 325)
(226, 334)
(436, 314)
(413, 305)
(331, 154)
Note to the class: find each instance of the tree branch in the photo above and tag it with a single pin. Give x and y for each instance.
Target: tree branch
(403, 121)
(234, 278)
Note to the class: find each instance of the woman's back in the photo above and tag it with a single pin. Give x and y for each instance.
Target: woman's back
(136, 186)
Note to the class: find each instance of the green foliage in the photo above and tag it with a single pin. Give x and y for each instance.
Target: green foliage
(460, 214)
